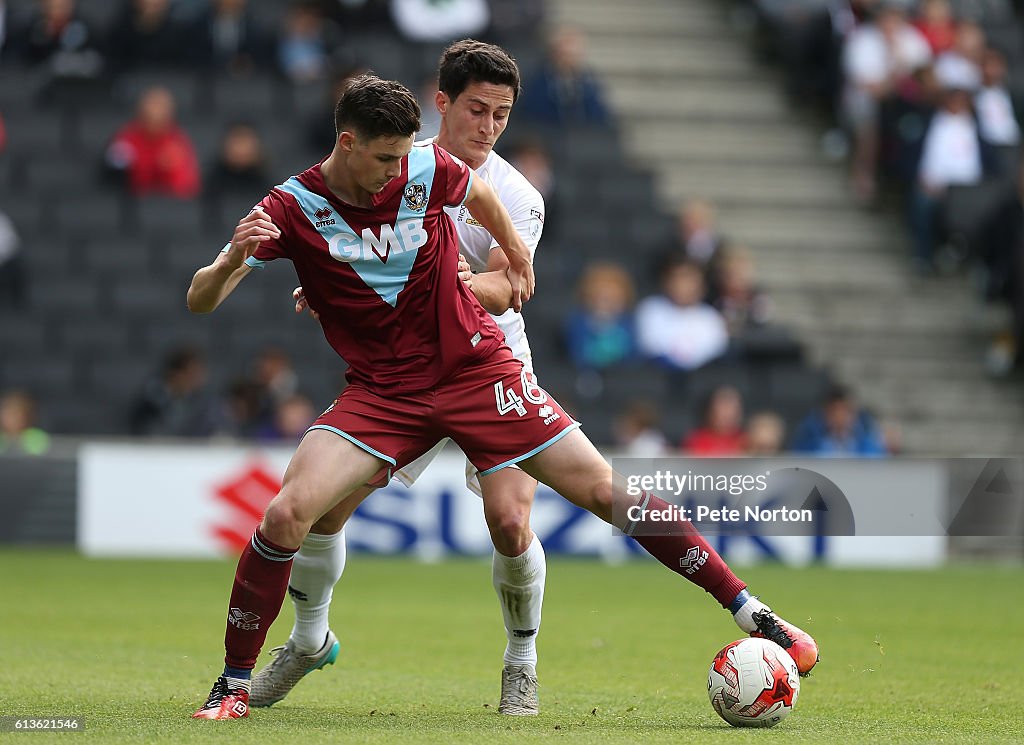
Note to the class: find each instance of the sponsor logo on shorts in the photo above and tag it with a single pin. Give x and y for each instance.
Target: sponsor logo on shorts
(548, 414)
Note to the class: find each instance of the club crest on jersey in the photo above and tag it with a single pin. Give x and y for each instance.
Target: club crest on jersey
(416, 196)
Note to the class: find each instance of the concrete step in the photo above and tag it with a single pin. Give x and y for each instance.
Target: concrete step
(732, 184)
(605, 16)
(652, 59)
(724, 143)
(949, 370)
(799, 226)
(960, 438)
(816, 305)
(699, 101)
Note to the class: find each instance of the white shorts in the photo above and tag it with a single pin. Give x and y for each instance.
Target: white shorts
(414, 470)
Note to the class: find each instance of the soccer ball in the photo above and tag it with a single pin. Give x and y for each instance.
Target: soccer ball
(753, 683)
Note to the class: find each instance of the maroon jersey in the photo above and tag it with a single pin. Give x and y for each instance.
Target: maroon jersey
(384, 279)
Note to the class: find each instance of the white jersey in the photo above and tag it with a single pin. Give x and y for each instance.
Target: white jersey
(526, 207)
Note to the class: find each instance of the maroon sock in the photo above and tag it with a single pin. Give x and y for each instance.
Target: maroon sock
(680, 546)
(256, 598)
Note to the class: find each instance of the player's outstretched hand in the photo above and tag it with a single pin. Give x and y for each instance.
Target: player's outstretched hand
(301, 303)
(251, 230)
(465, 273)
(521, 277)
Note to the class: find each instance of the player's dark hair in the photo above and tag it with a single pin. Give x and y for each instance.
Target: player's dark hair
(372, 108)
(471, 61)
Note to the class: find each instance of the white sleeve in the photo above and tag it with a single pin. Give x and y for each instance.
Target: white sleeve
(527, 213)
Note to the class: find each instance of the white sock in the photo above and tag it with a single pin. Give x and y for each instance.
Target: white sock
(519, 582)
(316, 569)
(744, 617)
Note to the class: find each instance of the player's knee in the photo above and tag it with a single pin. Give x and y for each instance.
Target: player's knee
(284, 523)
(510, 531)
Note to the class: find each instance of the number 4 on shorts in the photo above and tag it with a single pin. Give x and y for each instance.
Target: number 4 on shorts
(508, 400)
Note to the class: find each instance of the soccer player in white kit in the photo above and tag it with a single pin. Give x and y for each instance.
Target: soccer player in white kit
(478, 84)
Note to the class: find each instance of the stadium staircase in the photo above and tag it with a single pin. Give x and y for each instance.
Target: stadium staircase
(711, 122)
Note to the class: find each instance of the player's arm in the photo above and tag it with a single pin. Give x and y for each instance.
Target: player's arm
(493, 288)
(213, 283)
(487, 209)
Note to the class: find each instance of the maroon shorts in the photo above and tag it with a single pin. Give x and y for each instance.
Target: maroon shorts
(492, 410)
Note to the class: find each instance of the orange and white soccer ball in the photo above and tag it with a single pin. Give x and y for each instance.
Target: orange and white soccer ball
(753, 683)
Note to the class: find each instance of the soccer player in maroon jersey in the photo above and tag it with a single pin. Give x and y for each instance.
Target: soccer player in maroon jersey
(378, 258)
(478, 86)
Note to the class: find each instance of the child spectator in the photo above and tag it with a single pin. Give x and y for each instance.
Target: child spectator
(599, 331)
(721, 429)
(637, 434)
(765, 435)
(19, 432)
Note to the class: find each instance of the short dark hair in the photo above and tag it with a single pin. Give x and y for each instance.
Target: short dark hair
(372, 108)
(471, 61)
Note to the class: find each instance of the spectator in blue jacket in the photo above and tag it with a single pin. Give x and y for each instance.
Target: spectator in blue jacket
(839, 428)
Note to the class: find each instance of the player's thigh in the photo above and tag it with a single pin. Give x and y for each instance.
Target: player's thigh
(508, 498)
(574, 468)
(325, 469)
(335, 518)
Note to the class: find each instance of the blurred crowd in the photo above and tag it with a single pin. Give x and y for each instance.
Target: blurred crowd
(926, 96)
(708, 300)
(697, 302)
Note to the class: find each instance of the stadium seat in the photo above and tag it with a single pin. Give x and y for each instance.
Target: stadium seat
(256, 98)
(38, 373)
(62, 296)
(104, 255)
(117, 377)
(88, 213)
(55, 175)
(87, 333)
(149, 298)
(29, 133)
(23, 332)
(166, 217)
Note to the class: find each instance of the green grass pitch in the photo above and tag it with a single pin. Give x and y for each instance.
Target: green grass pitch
(133, 647)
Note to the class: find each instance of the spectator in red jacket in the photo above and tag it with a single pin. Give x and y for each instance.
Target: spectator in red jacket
(153, 153)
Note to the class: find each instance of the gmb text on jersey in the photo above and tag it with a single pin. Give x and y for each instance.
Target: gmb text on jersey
(406, 235)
